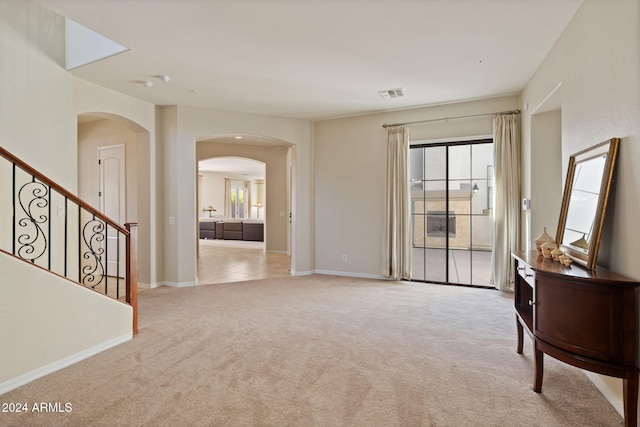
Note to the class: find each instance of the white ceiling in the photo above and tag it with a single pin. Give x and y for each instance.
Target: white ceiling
(234, 168)
(316, 59)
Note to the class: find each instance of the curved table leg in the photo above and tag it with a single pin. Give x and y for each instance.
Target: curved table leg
(520, 332)
(537, 386)
(630, 395)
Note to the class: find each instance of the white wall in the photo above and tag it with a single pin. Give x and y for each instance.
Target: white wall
(258, 196)
(339, 165)
(45, 321)
(350, 168)
(178, 258)
(36, 121)
(107, 132)
(182, 127)
(139, 118)
(276, 211)
(546, 176)
(48, 323)
(104, 133)
(596, 62)
(212, 193)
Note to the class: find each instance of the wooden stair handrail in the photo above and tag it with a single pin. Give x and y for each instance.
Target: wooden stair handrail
(129, 230)
(62, 191)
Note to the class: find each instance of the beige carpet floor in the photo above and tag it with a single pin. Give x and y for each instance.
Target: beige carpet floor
(318, 351)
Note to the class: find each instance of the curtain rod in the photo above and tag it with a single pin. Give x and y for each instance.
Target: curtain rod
(450, 118)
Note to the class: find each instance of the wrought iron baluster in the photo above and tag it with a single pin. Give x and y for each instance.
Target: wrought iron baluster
(79, 244)
(106, 259)
(32, 197)
(117, 264)
(33, 217)
(93, 236)
(13, 222)
(49, 231)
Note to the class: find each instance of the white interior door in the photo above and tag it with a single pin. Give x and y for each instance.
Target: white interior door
(111, 164)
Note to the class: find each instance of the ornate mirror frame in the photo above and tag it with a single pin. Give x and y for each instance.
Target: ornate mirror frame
(578, 206)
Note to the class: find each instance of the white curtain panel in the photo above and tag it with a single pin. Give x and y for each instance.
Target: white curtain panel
(396, 263)
(247, 198)
(506, 226)
(227, 198)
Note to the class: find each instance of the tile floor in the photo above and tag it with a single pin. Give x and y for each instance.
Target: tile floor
(465, 267)
(223, 261)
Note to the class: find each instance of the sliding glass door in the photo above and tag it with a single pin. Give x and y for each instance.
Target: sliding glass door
(451, 209)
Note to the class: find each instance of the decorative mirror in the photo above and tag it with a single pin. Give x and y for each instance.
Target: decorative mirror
(584, 201)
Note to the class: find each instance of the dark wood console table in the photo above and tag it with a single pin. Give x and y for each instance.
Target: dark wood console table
(584, 318)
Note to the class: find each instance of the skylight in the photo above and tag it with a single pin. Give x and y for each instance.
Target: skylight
(84, 46)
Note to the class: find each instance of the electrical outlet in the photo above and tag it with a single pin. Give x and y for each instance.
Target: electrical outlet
(60, 210)
(345, 258)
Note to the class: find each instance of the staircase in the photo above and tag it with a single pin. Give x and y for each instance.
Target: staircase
(52, 229)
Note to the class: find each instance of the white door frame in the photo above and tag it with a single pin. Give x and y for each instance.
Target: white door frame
(112, 170)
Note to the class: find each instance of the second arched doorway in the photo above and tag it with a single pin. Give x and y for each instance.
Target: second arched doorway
(243, 187)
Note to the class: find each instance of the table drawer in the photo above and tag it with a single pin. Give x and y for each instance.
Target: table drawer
(526, 273)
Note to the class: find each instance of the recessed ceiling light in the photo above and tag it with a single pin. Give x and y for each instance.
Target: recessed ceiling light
(480, 61)
(146, 83)
(193, 91)
(238, 137)
(163, 77)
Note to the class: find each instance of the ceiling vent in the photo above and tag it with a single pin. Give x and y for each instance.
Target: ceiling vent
(391, 93)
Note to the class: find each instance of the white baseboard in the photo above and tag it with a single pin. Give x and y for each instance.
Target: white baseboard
(615, 401)
(349, 274)
(301, 273)
(175, 284)
(62, 363)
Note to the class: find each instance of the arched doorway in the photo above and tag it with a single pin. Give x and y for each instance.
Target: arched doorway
(103, 132)
(267, 202)
(231, 187)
